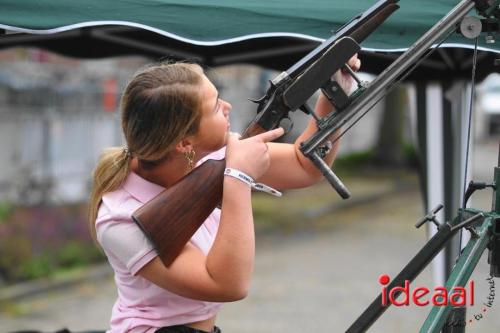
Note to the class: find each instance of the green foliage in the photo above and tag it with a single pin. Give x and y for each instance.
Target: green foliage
(76, 254)
(353, 163)
(411, 156)
(348, 164)
(16, 251)
(5, 210)
(36, 267)
(41, 241)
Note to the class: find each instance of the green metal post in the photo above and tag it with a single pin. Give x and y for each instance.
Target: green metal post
(496, 194)
(459, 276)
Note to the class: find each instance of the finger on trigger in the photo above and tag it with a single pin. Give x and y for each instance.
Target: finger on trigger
(273, 134)
(277, 132)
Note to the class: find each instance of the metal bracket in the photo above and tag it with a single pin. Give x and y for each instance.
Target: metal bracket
(335, 94)
(430, 217)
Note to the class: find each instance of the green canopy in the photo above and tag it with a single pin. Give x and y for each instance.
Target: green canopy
(222, 21)
(272, 33)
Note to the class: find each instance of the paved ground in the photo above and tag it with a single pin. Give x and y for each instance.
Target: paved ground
(309, 280)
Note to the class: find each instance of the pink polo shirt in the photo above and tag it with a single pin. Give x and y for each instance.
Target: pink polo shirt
(142, 306)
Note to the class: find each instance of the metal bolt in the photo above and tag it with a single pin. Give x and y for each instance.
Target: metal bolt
(334, 88)
(473, 232)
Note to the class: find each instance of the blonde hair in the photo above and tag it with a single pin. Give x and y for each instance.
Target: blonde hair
(159, 107)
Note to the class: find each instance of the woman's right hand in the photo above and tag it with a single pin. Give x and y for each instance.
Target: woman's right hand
(250, 155)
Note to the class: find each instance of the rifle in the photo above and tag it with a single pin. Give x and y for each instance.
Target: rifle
(170, 219)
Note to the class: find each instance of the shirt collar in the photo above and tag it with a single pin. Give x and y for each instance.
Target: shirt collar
(140, 188)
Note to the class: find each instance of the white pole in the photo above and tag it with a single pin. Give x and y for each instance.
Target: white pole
(435, 167)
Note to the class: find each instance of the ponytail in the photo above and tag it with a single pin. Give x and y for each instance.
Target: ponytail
(159, 106)
(112, 169)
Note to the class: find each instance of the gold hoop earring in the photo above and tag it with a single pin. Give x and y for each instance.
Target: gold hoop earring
(190, 158)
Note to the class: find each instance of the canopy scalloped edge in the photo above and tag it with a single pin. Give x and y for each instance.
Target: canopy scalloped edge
(209, 43)
(159, 31)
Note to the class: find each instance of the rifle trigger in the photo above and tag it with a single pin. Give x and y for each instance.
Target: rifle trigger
(287, 124)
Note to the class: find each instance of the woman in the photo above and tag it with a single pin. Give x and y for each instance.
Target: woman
(172, 120)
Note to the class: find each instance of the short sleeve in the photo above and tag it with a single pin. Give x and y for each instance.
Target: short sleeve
(125, 241)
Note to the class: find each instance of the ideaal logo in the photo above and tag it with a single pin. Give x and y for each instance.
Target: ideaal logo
(458, 296)
(439, 296)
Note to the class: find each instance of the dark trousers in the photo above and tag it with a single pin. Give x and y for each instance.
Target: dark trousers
(184, 329)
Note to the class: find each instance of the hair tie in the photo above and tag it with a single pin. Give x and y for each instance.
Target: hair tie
(127, 151)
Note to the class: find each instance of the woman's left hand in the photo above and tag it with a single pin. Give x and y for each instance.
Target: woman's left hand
(354, 63)
(343, 77)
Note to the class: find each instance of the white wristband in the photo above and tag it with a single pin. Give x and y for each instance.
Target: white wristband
(249, 181)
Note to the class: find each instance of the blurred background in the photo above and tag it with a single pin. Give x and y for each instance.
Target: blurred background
(318, 257)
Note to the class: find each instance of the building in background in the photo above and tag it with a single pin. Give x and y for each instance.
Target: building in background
(57, 115)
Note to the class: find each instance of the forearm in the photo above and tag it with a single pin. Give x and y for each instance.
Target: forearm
(230, 261)
(323, 107)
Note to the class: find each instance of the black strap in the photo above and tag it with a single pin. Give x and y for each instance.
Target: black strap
(185, 329)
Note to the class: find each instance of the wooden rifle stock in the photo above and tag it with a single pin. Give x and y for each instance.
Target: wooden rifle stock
(171, 218)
